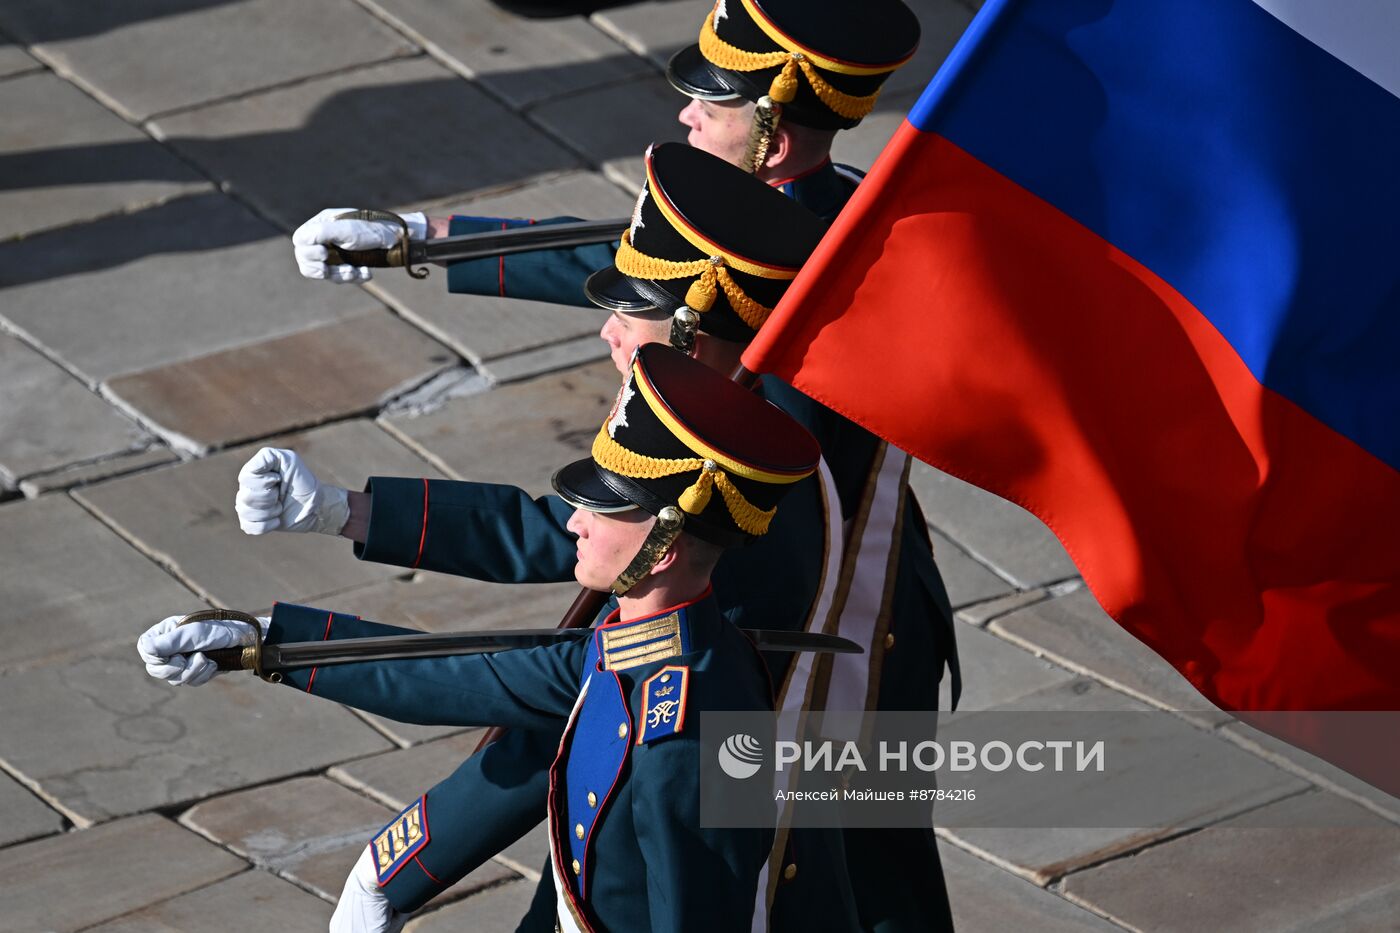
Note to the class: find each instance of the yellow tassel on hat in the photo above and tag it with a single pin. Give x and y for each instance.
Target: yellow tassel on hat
(697, 495)
(784, 86)
(702, 292)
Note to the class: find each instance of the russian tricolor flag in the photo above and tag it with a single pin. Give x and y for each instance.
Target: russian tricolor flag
(1135, 265)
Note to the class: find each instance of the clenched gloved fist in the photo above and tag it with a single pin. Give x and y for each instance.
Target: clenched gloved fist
(277, 492)
(174, 653)
(363, 906)
(310, 239)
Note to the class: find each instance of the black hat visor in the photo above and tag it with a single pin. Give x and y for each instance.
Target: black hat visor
(581, 485)
(691, 74)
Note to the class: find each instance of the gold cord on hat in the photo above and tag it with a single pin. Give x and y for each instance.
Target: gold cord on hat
(783, 88)
(611, 455)
(710, 274)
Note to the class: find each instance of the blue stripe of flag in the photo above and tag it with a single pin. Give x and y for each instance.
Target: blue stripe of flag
(1252, 171)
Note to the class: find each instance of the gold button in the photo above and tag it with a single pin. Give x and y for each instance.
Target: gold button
(665, 678)
(790, 873)
(622, 730)
(577, 867)
(889, 641)
(592, 799)
(578, 830)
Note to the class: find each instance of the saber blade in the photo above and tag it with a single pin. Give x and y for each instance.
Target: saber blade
(517, 240)
(448, 644)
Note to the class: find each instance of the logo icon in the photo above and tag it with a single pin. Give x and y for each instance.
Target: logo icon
(740, 756)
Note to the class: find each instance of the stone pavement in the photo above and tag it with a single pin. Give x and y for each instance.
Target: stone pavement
(153, 332)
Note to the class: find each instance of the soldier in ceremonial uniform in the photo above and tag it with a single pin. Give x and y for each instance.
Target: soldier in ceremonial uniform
(694, 208)
(770, 84)
(687, 463)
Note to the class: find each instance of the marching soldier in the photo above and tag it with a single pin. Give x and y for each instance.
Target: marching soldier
(664, 286)
(770, 84)
(668, 486)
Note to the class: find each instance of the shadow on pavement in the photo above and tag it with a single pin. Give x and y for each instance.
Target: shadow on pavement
(38, 21)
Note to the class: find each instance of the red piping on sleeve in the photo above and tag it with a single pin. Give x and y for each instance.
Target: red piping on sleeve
(423, 535)
(330, 617)
(431, 877)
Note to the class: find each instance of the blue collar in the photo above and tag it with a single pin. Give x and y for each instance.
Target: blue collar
(822, 190)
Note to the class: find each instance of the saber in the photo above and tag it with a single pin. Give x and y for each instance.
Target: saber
(408, 253)
(266, 659)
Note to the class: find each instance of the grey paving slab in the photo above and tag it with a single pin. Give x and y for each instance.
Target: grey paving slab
(71, 159)
(437, 602)
(254, 900)
(999, 534)
(183, 515)
(1376, 912)
(333, 371)
(535, 427)
(986, 899)
(79, 879)
(1312, 766)
(191, 277)
(94, 472)
(131, 56)
(656, 28)
(48, 419)
(1207, 778)
(393, 134)
(72, 586)
(980, 614)
(544, 360)
(26, 817)
(101, 738)
(996, 672)
(1242, 876)
(1073, 629)
(309, 830)
(497, 910)
(491, 327)
(613, 126)
(14, 60)
(521, 60)
(966, 580)
(397, 778)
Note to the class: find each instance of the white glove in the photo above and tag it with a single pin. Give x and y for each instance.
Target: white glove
(276, 491)
(310, 239)
(174, 653)
(362, 907)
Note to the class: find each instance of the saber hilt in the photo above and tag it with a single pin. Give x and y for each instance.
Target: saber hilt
(241, 657)
(393, 257)
(407, 252)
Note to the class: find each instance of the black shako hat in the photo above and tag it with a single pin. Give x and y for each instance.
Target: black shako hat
(824, 61)
(682, 436)
(708, 237)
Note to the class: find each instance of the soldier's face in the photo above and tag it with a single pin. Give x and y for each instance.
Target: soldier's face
(720, 127)
(607, 544)
(624, 333)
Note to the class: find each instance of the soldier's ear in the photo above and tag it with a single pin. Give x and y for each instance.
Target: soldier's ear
(668, 559)
(779, 148)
